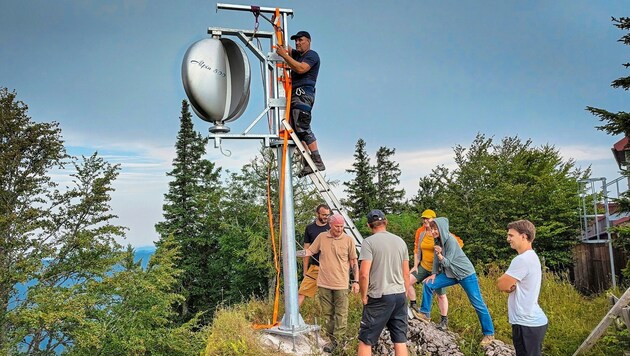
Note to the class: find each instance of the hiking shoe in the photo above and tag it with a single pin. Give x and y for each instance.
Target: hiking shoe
(410, 313)
(421, 316)
(330, 347)
(487, 340)
(443, 324)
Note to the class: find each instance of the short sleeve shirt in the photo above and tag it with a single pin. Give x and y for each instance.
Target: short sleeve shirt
(335, 254)
(387, 253)
(309, 78)
(310, 234)
(523, 308)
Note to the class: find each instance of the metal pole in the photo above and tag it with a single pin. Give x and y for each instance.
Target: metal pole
(610, 246)
(248, 8)
(291, 320)
(594, 195)
(582, 192)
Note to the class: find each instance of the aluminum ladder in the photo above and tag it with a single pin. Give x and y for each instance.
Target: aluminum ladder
(324, 189)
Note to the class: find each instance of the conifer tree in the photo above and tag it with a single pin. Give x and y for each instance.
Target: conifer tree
(361, 190)
(616, 124)
(192, 214)
(388, 197)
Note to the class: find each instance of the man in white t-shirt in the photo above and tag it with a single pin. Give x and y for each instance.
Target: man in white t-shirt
(522, 281)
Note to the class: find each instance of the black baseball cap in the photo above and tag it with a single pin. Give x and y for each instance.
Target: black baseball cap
(375, 215)
(301, 34)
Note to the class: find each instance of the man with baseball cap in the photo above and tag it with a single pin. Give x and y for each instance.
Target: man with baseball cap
(383, 280)
(304, 64)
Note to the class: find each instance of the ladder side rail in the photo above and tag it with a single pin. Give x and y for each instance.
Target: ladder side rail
(322, 186)
(330, 198)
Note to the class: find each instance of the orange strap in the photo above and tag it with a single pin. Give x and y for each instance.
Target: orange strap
(286, 81)
(278, 28)
(276, 302)
(285, 78)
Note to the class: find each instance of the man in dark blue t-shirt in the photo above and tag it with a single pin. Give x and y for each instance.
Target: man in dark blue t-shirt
(308, 288)
(304, 64)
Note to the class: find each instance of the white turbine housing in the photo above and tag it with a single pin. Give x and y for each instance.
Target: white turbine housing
(216, 77)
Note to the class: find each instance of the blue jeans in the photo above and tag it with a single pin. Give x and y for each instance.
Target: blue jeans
(471, 287)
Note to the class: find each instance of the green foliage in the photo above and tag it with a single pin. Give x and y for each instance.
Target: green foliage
(374, 187)
(83, 293)
(28, 151)
(496, 183)
(388, 198)
(191, 211)
(231, 334)
(615, 124)
(571, 319)
(60, 241)
(133, 312)
(361, 190)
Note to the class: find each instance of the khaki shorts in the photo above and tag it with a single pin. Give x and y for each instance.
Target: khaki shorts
(309, 283)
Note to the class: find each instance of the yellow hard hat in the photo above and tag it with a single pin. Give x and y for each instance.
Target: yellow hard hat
(428, 214)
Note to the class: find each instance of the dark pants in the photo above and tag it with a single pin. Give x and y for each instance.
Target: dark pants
(301, 106)
(528, 339)
(389, 310)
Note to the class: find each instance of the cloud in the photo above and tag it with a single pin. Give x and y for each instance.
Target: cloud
(586, 152)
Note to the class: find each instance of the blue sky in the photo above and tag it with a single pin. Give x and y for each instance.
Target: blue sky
(417, 76)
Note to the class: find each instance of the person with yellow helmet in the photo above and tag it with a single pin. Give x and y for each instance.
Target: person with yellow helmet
(422, 266)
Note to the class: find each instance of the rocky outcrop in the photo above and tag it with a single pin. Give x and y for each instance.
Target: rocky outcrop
(425, 339)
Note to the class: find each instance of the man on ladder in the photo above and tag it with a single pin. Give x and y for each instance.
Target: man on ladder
(304, 64)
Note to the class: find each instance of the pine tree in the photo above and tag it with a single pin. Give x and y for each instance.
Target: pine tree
(388, 198)
(361, 190)
(192, 215)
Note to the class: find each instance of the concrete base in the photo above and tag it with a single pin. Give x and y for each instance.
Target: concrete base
(304, 342)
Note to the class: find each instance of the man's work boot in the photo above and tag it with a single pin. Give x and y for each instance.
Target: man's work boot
(319, 164)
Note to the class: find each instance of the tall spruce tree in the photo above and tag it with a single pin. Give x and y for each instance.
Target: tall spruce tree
(388, 197)
(192, 215)
(361, 190)
(619, 124)
(616, 123)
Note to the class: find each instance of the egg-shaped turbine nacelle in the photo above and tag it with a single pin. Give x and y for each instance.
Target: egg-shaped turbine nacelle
(216, 77)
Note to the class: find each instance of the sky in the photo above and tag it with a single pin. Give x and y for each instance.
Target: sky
(418, 76)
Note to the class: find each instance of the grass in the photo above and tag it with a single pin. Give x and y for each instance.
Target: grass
(571, 319)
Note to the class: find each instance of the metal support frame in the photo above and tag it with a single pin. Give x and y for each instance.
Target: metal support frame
(292, 323)
(587, 188)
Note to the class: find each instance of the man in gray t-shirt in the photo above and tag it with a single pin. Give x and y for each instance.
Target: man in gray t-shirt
(383, 281)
